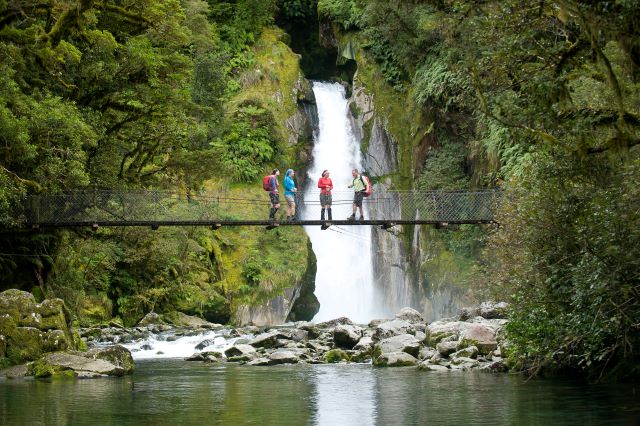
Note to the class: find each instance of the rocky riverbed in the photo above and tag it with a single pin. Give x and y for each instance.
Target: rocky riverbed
(472, 340)
(37, 339)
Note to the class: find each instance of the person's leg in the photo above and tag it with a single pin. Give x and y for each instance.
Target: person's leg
(322, 213)
(353, 207)
(329, 213)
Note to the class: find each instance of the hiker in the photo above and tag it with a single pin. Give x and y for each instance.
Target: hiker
(290, 193)
(326, 185)
(359, 186)
(274, 196)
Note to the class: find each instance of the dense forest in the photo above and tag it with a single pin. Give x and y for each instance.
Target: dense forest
(539, 98)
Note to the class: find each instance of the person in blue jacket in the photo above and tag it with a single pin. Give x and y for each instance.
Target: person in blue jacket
(290, 193)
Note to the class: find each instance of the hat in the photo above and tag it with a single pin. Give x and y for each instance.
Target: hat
(324, 172)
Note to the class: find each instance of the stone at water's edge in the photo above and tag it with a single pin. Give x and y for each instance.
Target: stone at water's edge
(29, 329)
(39, 340)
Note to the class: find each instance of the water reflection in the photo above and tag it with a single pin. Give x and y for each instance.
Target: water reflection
(163, 392)
(344, 395)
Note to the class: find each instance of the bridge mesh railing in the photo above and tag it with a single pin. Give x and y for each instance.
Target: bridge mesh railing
(158, 206)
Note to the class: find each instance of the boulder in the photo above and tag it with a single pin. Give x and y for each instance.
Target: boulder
(151, 318)
(266, 340)
(20, 306)
(338, 321)
(212, 356)
(116, 355)
(479, 335)
(395, 359)
(54, 315)
(346, 336)
(180, 319)
(401, 343)
(260, 361)
(203, 344)
(25, 344)
(468, 352)
(29, 329)
(283, 356)
(439, 330)
(410, 315)
(71, 364)
(55, 341)
(241, 353)
(364, 344)
(393, 328)
(426, 366)
(15, 371)
(446, 348)
(493, 310)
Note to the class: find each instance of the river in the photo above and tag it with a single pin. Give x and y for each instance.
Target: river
(168, 392)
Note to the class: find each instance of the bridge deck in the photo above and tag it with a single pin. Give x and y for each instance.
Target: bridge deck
(386, 223)
(223, 208)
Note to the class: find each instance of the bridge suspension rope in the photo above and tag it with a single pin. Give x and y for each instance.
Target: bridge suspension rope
(139, 207)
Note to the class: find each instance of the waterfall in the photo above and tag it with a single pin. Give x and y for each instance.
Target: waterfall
(344, 280)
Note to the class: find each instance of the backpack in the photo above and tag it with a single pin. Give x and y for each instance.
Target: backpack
(367, 185)
(266, 183)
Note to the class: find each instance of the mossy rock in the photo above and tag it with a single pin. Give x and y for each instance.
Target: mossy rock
(40, 369)
(54, 315)
(7, 323)
(432, 339)
(55, 340)
(361, 356)
(116, 355)
(25, 344)
(20, 306)
(336, 355)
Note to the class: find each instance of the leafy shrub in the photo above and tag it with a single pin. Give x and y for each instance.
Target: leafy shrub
(249, 145)
(347, 14)
(567, 255)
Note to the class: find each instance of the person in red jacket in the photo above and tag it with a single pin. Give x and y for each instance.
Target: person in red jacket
(326, 185)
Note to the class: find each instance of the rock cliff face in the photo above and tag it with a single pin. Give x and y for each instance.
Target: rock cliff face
(393, 270)
(400, 251)
(298, 303)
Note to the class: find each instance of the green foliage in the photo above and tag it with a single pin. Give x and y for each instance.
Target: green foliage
(438, 84)
(292, 10)
(565, 255)
(249, 145)
(347, 13)
(444, 168)
(253, 267)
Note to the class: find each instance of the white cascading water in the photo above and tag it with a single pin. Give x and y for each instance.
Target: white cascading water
(344, 280)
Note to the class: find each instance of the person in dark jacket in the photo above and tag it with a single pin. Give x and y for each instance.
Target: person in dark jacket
(274, 195)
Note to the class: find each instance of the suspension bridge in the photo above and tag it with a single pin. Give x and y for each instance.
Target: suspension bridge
(99, 208)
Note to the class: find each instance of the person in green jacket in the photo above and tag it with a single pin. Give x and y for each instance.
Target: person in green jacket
(359, 187)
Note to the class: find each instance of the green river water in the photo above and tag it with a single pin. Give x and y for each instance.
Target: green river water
(176, 392)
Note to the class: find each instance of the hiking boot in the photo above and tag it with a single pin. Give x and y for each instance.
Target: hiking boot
(352, 217)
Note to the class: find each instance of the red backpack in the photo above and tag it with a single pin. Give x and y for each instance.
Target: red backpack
(266, 183)
(367, 185)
